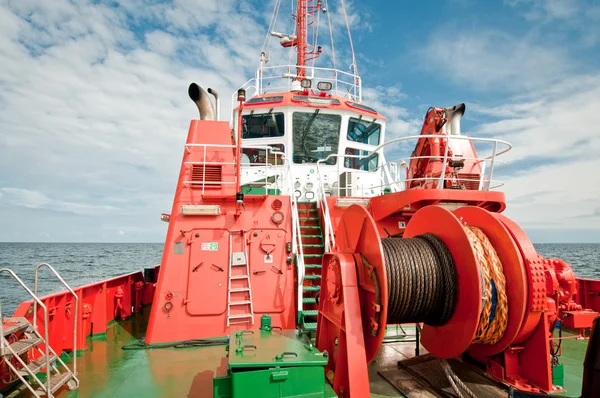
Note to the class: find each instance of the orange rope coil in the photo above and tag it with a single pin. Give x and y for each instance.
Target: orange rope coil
(494, 315)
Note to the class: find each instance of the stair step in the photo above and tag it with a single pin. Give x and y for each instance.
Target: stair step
(312, 236)
(37, 365)
(313, 245)
(310, 227)
(239, 277)
(312, 266)
(57, 380)
(240, 316)
(309, 300)
(310, 312)
(312, 277)
(21, 324)
(244, 302)
(241, 289)
(22, 346)
(313, 255)
(310, 326)
(308, 218)
(311, 288)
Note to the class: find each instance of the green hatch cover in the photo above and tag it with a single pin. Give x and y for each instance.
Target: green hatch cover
(260, 349)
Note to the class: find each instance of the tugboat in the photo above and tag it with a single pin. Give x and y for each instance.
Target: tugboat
(300, 262)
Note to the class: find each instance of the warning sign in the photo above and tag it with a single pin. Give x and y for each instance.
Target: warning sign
(210, 246)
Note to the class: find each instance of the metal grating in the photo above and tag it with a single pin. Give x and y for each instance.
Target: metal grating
(211, 174)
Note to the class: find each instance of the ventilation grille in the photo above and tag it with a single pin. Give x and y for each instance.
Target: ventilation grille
(211, 174)
(469, 181)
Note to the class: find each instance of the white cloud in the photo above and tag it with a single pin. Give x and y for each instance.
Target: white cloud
(493, 59)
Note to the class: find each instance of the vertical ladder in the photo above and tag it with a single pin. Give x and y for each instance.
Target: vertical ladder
(311, 240)
(237, 260)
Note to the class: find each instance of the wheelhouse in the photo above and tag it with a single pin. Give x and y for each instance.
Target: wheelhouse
(322, 135)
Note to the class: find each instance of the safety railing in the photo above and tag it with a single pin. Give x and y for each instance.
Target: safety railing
(47, 349)
(75, 316)
(279, 78)
(269, 167)
(391, 178)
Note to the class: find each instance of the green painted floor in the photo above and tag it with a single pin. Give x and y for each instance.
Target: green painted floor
(105, 370)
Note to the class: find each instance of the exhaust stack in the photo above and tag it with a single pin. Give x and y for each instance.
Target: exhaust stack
(215, 94)
(454, 114)
(202, 101)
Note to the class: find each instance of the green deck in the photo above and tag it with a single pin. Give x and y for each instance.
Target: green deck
(105, 370)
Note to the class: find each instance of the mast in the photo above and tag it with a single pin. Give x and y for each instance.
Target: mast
(301, 44)
(305, 16)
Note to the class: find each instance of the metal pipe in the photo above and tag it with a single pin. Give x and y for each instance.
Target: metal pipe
(215, 94)
(202, 101)
(454, 115)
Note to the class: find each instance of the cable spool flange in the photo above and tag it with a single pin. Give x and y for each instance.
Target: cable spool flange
(454, 337)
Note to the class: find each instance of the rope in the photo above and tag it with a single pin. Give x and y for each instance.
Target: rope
(454, 380)
(494, 316)
(140, 345)
(355, 68)
(330, 32)
(422, 284)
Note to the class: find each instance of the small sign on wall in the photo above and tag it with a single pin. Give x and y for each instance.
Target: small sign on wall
(210, 246)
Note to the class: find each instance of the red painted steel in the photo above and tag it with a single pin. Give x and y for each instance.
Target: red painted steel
(99, 304)
(191, 295)
(340, 327)
(453, 338)
(588, 293)
(298, 100)
(539, 291)
(358, 234)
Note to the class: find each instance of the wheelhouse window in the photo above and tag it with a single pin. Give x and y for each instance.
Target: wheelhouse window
(315, 136)
(263, 125)
(361, 163)
(364, 131)
(262, 157)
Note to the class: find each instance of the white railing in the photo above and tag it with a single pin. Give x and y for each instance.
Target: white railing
(279, 78)
(47, 350)
(75, 316)
(276, 171)
(390, 177)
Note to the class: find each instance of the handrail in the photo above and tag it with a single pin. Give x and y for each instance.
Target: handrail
(35, 287)
(344, 84)
(485, 183)
(46, 340)
(329, 236)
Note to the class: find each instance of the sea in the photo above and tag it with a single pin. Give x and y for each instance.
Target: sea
(84, 263)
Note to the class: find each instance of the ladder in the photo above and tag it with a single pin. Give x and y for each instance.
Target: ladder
(16, 352)
(239, 260)
(311, 240)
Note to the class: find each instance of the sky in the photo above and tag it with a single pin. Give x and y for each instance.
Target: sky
(94, 109)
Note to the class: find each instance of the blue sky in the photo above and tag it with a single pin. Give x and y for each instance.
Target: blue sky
(94, 109)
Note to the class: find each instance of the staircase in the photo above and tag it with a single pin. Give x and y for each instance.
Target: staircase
(21, 349)
(313, 248)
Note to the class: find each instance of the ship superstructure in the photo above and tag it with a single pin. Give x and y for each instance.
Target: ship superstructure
(294, 246)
